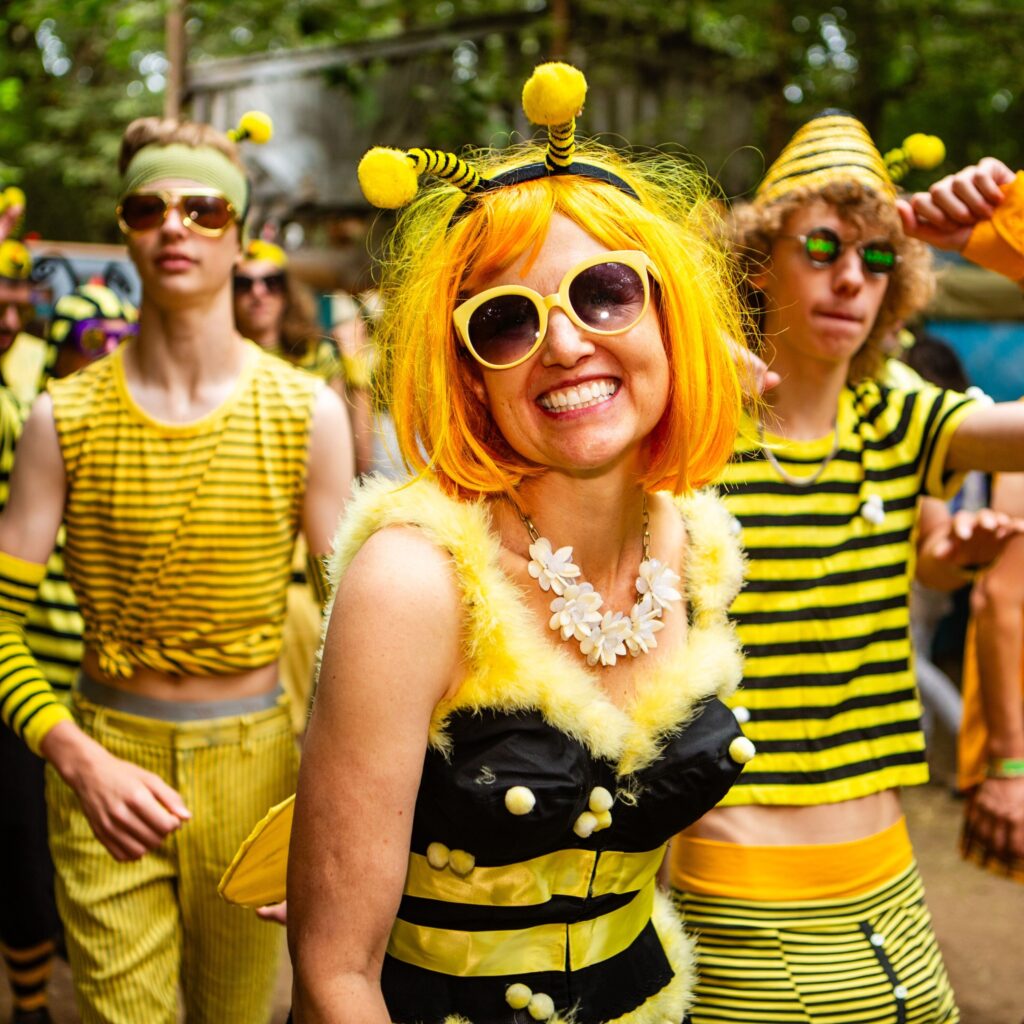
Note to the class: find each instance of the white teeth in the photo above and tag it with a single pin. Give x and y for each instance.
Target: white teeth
(579, 398)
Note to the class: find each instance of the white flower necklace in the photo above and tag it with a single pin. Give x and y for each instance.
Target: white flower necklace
(576, 609)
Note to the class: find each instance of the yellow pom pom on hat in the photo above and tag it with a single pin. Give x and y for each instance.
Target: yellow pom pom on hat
(11, 196)
(919, 152)
(553, 96)
(258, 249)
(253, 126)
(15, 260)
(833, 146)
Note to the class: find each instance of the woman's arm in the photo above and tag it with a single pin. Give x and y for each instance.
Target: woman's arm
(392, 652)
(329, 473)
(997, 813)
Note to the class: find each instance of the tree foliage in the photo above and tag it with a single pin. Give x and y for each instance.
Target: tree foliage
(74, 72)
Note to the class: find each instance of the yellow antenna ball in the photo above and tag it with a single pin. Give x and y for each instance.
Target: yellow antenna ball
(924, 152)
(253, 125)
(11, 196)
(554, 93)
(387, 178)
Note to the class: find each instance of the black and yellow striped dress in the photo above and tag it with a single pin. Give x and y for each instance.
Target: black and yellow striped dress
(544, 808)
(180, 536)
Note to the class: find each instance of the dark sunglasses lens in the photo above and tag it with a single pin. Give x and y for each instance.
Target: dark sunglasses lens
(274, 283)
(211, 212)
(504, 329)
(607, 297)
(879, 257)
(822, 246)
(142, 212)
(242, 284)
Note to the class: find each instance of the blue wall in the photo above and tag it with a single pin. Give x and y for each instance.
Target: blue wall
(992, 353)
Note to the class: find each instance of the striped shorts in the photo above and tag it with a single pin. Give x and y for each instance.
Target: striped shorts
(867, 959)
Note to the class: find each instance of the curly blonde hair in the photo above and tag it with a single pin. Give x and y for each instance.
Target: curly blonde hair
(755, 227)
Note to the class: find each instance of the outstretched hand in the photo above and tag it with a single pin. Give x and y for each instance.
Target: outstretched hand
(995, 818)
(976, 538)
(945, 215)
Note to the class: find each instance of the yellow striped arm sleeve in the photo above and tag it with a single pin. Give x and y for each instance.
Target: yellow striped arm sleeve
(27, 701)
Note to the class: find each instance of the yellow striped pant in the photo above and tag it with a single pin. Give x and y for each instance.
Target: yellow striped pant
(869, 959)
(138, 931)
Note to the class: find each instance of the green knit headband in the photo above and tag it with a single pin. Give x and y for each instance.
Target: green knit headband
(201, 164)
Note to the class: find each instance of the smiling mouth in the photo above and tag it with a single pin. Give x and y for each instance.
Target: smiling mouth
(582, 396)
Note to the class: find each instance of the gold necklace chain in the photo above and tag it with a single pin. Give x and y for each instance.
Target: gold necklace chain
(535, 536)
(798, 481)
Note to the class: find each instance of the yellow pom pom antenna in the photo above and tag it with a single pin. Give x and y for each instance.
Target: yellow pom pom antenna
(553, 96)
(389, 178)
(254, 126)
(919, 152)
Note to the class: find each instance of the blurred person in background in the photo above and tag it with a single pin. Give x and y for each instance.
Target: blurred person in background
(278, 312)
(87, 324)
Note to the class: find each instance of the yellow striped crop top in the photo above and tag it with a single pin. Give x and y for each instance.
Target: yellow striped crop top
(180, 536)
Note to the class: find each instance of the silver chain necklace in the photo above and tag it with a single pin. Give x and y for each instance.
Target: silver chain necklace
(798, 481)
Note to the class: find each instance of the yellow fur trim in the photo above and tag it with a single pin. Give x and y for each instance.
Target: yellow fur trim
(513, 668)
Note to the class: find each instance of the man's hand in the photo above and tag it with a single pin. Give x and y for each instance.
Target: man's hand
(995, 818)
(130, 810)
(945, 214)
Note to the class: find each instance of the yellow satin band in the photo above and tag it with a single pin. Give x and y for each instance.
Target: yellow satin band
(767, 873)
(532, 882)
(545, 947)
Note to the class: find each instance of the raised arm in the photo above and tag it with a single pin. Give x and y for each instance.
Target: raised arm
(129, 809)
(997, 812)
(392, 652)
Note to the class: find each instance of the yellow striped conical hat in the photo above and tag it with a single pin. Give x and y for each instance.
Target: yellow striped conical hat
(833, 146)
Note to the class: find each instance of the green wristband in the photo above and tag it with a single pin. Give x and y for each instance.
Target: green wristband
(1006, 768)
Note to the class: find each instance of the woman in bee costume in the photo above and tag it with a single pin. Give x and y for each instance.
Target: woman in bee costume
(518, 703)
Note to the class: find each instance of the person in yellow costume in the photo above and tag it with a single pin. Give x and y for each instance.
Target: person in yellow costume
(277, 312)
(802, 886)
(183, 466)
(508, 727)
(979, 211)
(21, 354)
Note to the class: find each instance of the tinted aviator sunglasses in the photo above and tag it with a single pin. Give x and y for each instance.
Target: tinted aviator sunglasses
(204, 211)
(607, 294)
(823, 247)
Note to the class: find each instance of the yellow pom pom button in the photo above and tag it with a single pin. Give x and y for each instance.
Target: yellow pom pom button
(585, 825)
(600, 800)
(541, 1007)
(742, 714)
(437, 856)
(461, 863)
(741, 750)
(604, 819)
(520, 800)
(554, 93)
(518, 996)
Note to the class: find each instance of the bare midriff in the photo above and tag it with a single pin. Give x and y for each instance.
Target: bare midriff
(147, 682)
(786, 825)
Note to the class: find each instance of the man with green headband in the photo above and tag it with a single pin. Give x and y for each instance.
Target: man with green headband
(183, 464)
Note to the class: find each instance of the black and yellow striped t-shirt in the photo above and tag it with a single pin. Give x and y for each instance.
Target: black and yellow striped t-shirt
(180, 536)
(53, 627)
(823, 619)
